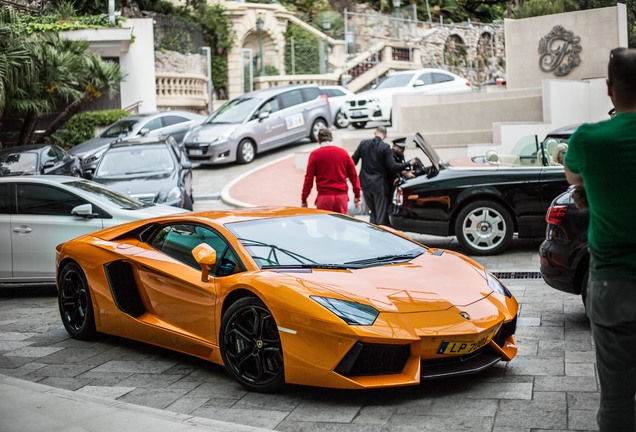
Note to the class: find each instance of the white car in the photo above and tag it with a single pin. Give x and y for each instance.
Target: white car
(337, 97)
(39, 212)
(377, 104)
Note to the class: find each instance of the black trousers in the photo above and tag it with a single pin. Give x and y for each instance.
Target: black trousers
(378, 204)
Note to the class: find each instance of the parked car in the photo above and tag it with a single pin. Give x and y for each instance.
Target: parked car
(173, 123)
(38, 212)
(564, 256)
(377, 104)
(38, 159)
(258, 121)
(289, 295)
(154, 170)
(484, 204)
(337, 97)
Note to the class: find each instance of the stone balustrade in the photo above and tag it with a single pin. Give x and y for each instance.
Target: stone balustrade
(183, 91)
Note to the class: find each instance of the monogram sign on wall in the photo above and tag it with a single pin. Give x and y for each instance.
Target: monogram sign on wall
(559, 51)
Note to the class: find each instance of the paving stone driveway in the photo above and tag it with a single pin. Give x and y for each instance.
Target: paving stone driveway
(550, 386)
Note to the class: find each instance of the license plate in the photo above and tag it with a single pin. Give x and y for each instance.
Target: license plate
(195, 152)
(356, 114)
(458, 348)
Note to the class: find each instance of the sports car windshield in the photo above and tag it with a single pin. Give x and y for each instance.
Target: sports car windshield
(234, 111)
(321, 241)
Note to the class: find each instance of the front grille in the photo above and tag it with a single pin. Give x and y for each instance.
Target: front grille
(518, 275)
(374, 359)
(359, 103)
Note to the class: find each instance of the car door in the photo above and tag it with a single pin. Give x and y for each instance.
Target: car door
(176, 126)
(6, 260)
(295, 111)
(52, 162)
(179, 298)
(267, 125)
(42, 220)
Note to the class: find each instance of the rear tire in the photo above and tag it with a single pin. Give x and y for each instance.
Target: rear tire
(484, 228)
(74, 300)
(246, 151)
(358, 125)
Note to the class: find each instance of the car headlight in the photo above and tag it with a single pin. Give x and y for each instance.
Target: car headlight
(173, 195)
(225, 136)
(93, 158)
(496, 285)
(350, 312)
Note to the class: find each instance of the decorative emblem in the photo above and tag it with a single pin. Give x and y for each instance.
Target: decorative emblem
(559, 51)
(464, 315)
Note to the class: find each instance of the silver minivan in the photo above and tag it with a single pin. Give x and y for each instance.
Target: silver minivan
(258, 121)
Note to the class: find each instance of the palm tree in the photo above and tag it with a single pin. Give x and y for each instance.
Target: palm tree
(59, 69)
(100, 77)
(16, 66)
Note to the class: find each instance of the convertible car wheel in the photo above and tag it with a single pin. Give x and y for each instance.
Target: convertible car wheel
(74, 299)
(251, 347)
(484, 228)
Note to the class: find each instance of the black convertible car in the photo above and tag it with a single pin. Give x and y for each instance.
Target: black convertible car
(484, 202)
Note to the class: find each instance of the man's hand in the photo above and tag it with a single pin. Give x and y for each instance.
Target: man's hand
(580, 198)
(304, 204)
(357, 202)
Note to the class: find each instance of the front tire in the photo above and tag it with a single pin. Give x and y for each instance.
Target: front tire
(74, 300)
(341, 121)
(246, 151)
(484, 228)
(315, 128)
(250, 346)
(358, 125)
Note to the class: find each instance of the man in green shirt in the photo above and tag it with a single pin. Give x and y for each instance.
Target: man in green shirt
(601, 159)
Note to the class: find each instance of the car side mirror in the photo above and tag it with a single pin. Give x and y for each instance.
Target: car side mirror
(206, 257)
(263, 115)
(144, 132)
(186, 165)
(83, 210)
(418, 83)
(49, 164)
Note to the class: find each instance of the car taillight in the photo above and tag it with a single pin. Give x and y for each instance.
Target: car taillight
(468, 83)
(324, 96)
(398, 197)
(556, 214)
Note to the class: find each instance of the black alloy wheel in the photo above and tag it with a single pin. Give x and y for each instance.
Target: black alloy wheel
(484, 228)
(251, 347)
(74, 299)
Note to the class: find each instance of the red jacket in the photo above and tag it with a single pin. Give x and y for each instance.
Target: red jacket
(331, 166)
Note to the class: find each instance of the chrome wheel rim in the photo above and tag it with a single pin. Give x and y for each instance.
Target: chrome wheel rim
(484, 228)
(247, 151)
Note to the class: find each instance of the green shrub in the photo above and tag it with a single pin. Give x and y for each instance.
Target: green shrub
(83, 126)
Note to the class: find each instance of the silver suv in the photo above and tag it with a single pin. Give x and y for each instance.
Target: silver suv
(258, 121)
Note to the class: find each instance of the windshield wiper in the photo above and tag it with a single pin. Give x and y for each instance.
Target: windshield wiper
(384, 259)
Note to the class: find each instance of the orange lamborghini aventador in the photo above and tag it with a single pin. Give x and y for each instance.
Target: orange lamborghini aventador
(288, 295)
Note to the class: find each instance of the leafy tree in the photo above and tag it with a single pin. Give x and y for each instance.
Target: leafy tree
(56, 63)
(98, 77)
(16, 66)
(532, 8)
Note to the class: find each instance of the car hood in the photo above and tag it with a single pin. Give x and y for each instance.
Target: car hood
(429, 151)
(145, 184)
(428, 283)
(208, 132)
(90, 146)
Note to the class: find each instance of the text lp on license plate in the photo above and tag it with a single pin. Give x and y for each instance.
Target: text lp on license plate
(458, 348)
(195, 152)
(356, 114)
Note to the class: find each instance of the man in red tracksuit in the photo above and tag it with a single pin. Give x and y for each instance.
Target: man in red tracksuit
(331, 166)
